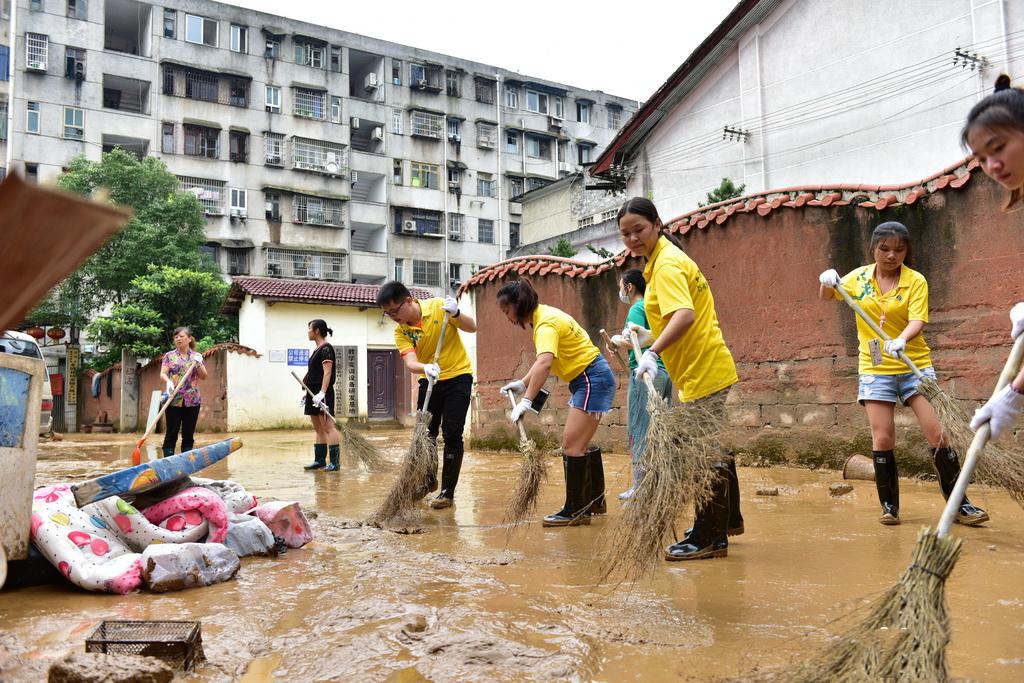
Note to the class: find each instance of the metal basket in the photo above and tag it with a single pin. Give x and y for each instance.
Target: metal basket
(179, 643)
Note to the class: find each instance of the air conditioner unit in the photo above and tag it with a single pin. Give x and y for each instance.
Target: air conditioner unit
(355, 122)
(37, 65)
(79, 72)
(408, 226)
(332, 165)
(370, 82)
(421, 83)
(455, 234)
(274, 161)
(454, 137)
(484, 142)
(554, 122)
(353, 177)
(378, 133)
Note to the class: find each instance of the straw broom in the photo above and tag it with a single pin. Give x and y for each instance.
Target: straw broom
(419, 463)
(531, 474)
(352, 443)
(678, 462)
(997, 466)
(905, 634)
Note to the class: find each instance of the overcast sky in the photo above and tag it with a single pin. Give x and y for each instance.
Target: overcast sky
(628, 49)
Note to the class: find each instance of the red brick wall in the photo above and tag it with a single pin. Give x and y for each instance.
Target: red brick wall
(797, 354)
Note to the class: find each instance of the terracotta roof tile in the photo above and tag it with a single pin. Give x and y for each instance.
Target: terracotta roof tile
(313, 290)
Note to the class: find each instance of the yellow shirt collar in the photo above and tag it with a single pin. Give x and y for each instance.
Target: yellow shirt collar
(658, 246)
(904, 275)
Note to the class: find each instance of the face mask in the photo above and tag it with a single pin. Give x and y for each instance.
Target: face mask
(623, 297)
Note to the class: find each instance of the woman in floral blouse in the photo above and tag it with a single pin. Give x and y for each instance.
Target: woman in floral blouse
(183, 412)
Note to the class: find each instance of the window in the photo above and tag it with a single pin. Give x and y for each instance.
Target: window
(77, 9)
(239, 38)
(273, 149)
(272, 98)
(272, 49)
(485, 231)
(308, 55)
(512, 142)
(36, 5)
(536, 183)
(417, 74)
(485, 90)
(425, 124)
(511, 97)
(167, 138)
(515, 187)
(455, 222)
(454, 273)
(335, 109)
(238, 201)
(311, 264)
(238, 261)
(423, 175)
(318, 211)
(335, 59)
(201, 141)
(513, 235)
(396, 121)
(200, 85)
(584, 153)
(319, 156)
(37, 47)
(583, 112)
(170, 19)
(419, 222)
(485, 184)
(538, 148)
(399, 269)
(310, 104)
(426, 273)
(238, 146)
(454, 176)
(558, 113)
(486, 135)
(32, 117)
(212, 252)
(453, 83)
(397, 172)
(396, 72)
(272, 204)
(74, 63)
(210, 193)
(238, 93)
(614, 117)
(455, 130)
(74, 123)
(3, 119)
(5, 63)
(536, 102)
(200, 30)
(32, 176)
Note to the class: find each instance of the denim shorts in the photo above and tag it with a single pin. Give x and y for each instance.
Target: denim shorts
(890, 388)
(593, 390)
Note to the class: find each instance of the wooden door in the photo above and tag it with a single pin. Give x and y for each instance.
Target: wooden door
(381, 383)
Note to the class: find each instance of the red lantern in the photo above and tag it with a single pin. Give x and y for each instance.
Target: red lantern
(36, 332)
(56, 333)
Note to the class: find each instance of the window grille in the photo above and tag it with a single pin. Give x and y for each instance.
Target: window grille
(486, 135)
(273, 149)
(209, 192)
(426, 124)
(310, 104)
(318, 210)
(426, 273)
(305, 264)
(485, 90)
(485, 231)
(37, 47)
(319, 156)
(201, 141)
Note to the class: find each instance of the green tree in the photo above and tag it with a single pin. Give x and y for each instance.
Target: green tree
(727, 189)
(562, 248)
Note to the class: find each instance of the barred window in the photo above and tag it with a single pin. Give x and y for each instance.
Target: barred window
(318, 210)
(311, 264)
(485, 90)
(486, 135)
(310, 104)
(316, 155)
(200, 85)
(426, 273)
(423, 175)
(485, 231)
(201, 141)
(425, 124)
(614, 117)
(273, 149)
(209, 192)
(37, 47)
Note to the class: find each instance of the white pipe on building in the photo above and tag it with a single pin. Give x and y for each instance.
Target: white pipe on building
(498, 176)
(12, 61)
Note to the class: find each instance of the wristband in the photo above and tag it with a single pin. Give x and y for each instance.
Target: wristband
(457, 314)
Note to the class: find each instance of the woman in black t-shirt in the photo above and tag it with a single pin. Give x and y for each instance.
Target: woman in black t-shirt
(320, 380)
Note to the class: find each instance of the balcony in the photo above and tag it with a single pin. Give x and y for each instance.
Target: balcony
(206, 86)
(368, 267)
(369, 214)
(319, 157)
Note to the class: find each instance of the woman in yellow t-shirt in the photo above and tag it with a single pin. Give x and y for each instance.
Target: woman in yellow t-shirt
(896, 297)
(685, 334)
(564, 349)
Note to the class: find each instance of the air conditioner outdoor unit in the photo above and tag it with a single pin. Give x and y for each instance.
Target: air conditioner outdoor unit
(378, 133)
(79, 72)
(332, 165)
(483, 142)
(408, 226)
(355, 122)
(455, 235)
(371, 81)
(36, 65)
(353, 177)
(421, 83)
(454, 137)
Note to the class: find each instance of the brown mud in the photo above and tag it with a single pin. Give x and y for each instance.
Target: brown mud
(455, 598)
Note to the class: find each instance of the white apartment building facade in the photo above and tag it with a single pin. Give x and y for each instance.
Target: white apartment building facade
(316, 153)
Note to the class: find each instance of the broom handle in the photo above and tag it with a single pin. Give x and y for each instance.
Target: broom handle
(437, 354)
(981, 437)
(170, 397)
(522, 429)
(323, 406)
(877, 330)
(615, 350)
(637, 352)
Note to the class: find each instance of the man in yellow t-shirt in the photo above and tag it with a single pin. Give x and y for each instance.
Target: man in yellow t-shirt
(419, 329)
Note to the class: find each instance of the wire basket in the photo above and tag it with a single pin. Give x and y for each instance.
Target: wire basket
(179, 643)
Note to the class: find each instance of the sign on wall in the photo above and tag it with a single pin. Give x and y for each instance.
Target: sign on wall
(278, 355)
(73, 360)
(298, 357)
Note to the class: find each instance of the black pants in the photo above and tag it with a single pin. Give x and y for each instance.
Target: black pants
(449, 404)
(180, 417)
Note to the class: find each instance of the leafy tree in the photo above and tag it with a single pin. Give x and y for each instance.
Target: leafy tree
(562, 248)
(727, 189)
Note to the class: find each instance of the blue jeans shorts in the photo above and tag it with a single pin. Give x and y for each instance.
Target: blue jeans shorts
(593, 390)
(895, 389)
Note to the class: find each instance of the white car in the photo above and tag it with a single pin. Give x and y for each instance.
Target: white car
(22, 344)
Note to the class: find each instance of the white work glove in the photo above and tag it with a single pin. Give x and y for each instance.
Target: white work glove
(196, 358)
(894, 347)
(1017, 319)
(514, 388)
(318, 398)
(302, 401)
(520, 408)
(170, 386)
(830, 278)
(643, 335)
(647, 365)
(432, 371)
(450, 306)
(1000, 412)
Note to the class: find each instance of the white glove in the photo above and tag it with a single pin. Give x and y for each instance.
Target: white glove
(643, 335)
(521, 407)
(170, 386)
(432, 371)
(647, 365)
(318, 399)
(618, 341)
(894, 347)
(450, 306)
(196, 358)
(302, 401)
(1000, 412)
(830, 278)
(1017, 319)
(514, 388)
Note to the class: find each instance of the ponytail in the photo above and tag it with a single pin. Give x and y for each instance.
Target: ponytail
(320, 327)
(1003, 109)
(644, 207)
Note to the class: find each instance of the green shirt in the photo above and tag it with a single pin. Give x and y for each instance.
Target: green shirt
(637, 316)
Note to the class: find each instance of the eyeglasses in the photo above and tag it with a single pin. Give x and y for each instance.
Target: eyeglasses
(394, 311)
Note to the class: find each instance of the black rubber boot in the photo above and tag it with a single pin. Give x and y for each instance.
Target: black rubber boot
(735, 516)
(450, 468)
(168, 452)
(319, 457)
(595, 494)
(335, 452)
(577, 485)
(888, 484)
(947, 466)
(710, 535)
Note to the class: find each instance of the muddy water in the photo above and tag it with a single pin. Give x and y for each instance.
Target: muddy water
(456, 600)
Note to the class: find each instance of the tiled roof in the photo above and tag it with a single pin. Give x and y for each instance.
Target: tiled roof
(878, 197)
(230, 347)
(312, 290)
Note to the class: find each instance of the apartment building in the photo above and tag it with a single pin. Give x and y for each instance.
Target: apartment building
(316, 153)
